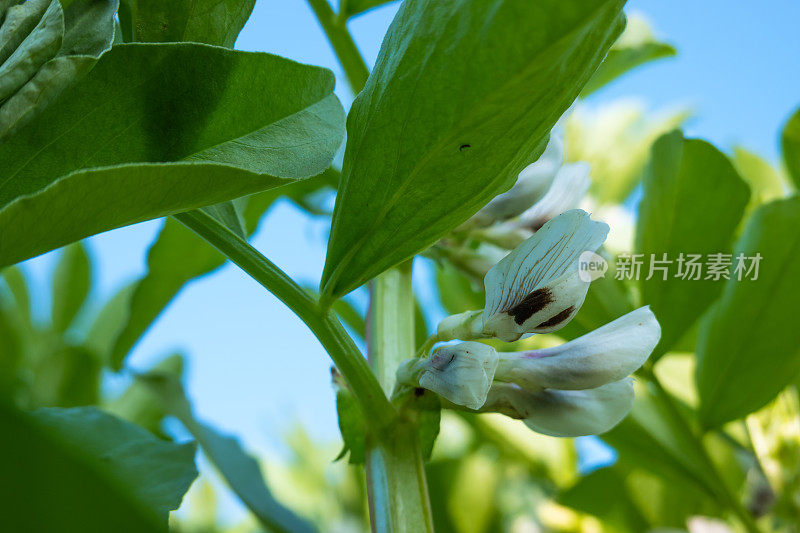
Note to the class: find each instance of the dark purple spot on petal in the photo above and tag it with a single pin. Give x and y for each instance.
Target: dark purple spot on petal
(558, 319)
(531, 304)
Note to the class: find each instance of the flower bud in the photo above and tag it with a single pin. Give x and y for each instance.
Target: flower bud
(564, 413)
(461, 373)
(537, 288)
(607, 354)
(467, 325)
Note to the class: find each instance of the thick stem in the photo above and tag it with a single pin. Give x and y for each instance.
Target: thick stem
(355, 69)
(323, 324)
(398, 492)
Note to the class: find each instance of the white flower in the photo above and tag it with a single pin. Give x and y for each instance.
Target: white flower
(567, 191)
(564, 413)
(536, 288)
(461, 373)
(532, 184)
(607, 354)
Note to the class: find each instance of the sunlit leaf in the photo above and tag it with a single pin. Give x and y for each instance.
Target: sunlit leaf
(749, 342)
(766, 183)
(144, 104)
(636, 46)
(430, 141)
(692, 204)
(790, 143)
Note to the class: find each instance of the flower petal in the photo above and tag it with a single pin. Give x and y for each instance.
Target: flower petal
(568, 189)
(607, 354)
(532, 184)
(538, 282)
(565, 413)
(462, 373)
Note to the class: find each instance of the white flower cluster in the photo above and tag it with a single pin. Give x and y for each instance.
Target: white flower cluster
(579, 388)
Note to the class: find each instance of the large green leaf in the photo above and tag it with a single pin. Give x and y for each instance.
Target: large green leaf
(748, 347)
(178, 255)
(49, 484)
(71, 284)
(790, 143)
(216, 22)
(693, 202)
(144, 104)
(636, 46)
(463, 93)
(239, 469)
(157, 472)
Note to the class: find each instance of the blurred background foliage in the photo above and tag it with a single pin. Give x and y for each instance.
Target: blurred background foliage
(675, 464)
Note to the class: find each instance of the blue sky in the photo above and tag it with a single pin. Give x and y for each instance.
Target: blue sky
(254, 369)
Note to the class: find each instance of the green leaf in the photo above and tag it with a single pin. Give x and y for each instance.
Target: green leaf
(80, 494)
(89, 27)
(138, 405)
(430, 142)
(11, 352)
(636, 46)
(216, 22)
(67, 51)
(457, 292)
(351, 8)
(352, 426)
(229, 214)
(17, 284)
(693, 202)
(177, 256)
(766, 183)
(39, 46)
(157, 472)
(109, 323)
(351, 316)
(71, 284)
(144, 104)
(604, 493)
(790, 144)
(649, 438)
(67, 376)
(240, 470)
(748, 341)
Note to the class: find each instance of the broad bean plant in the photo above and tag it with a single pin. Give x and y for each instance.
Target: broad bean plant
(668, 327)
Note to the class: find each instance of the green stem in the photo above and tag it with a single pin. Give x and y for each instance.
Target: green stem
(725, 495)
(398, 492)
(335, 28)
(323, 323)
